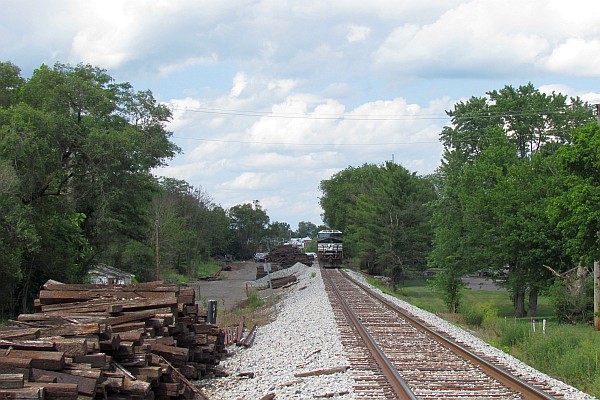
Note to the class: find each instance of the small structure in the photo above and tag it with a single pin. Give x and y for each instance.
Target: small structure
(103, 274)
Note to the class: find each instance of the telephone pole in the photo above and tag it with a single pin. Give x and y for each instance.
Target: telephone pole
(597, 269)
(156, 226)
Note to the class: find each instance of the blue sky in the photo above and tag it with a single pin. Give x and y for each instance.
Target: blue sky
(272, 97)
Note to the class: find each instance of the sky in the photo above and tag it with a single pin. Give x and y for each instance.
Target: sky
(271, 97)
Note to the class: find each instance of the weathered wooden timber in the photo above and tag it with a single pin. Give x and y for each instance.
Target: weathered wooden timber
(111, 342)
(282, 257)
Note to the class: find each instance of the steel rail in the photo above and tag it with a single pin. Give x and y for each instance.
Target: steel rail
(398, 384)
(511, 381)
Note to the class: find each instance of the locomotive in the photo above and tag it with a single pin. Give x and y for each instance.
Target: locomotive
(330, 248)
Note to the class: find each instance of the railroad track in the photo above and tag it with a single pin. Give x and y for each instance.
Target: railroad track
(394, 356)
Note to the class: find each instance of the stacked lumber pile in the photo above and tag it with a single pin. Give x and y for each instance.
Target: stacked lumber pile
(282, 257)
(111, 342)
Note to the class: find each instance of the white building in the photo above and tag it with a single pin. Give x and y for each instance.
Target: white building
(103, 274)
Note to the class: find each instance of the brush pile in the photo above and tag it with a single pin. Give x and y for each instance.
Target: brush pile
(113, 342)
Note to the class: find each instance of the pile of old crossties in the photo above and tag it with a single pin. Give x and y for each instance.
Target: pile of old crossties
(86, 341)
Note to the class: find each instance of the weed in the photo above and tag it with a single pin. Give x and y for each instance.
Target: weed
(255, 300)
(207, 269)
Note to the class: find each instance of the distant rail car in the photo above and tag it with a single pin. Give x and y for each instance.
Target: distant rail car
(330, 248)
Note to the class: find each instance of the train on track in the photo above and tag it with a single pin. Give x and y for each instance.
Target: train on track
(330, 248)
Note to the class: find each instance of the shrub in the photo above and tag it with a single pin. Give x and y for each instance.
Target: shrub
(476, 316)
(471, 316)
(573, 309)
(511, 333)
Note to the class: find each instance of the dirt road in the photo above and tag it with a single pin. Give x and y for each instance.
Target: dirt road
(230, 289)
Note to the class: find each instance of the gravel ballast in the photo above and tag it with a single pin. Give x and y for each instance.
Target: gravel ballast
(304, 338)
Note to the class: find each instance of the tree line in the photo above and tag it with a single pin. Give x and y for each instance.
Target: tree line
(77, 151)
(517, 195)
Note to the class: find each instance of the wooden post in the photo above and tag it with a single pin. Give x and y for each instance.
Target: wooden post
(597, 295)
(156, 226)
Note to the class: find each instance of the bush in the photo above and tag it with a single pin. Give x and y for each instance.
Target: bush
(170, 276)
(478, 315)
(471, 316)
(207, 269)
(573, 309)
(511, 333)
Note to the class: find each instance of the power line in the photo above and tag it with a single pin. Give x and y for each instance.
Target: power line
(368, 117)
(303, 144)
(350, 117)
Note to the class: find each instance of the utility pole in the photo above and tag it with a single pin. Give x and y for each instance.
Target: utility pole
(596, 295)
(597, 269)
(156, 226)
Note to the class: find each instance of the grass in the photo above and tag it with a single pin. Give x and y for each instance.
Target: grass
(256, 310)
(207, 269)
(570, 353)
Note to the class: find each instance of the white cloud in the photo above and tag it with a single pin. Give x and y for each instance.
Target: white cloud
(590, 97)
(358, 33)
(485, 38)
(249, 180)
(576, 56)
(167, 69)
(472, 38)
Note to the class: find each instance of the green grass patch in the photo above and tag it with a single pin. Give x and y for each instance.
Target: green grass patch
(416, 292)
(173, 277)
(255, 300)
(568, 352)
(209, 268)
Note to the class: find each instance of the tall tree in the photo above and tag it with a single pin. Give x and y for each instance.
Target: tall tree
(576, 208)
(81, 148)
(306, 229)
(277, 234)
(494, 188)
(386, 221)
(341, 192)
(248, 223)
(10, 84)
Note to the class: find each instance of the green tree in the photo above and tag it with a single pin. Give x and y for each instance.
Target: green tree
(81, 149)
(576, 208)
(384, 214)
(494, 185)
(341, 192)
(10, 84)
(277, 234)
(248, 223)
(306, 229)
(390, 225)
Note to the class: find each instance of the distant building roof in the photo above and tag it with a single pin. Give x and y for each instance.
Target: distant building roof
(106, 275)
